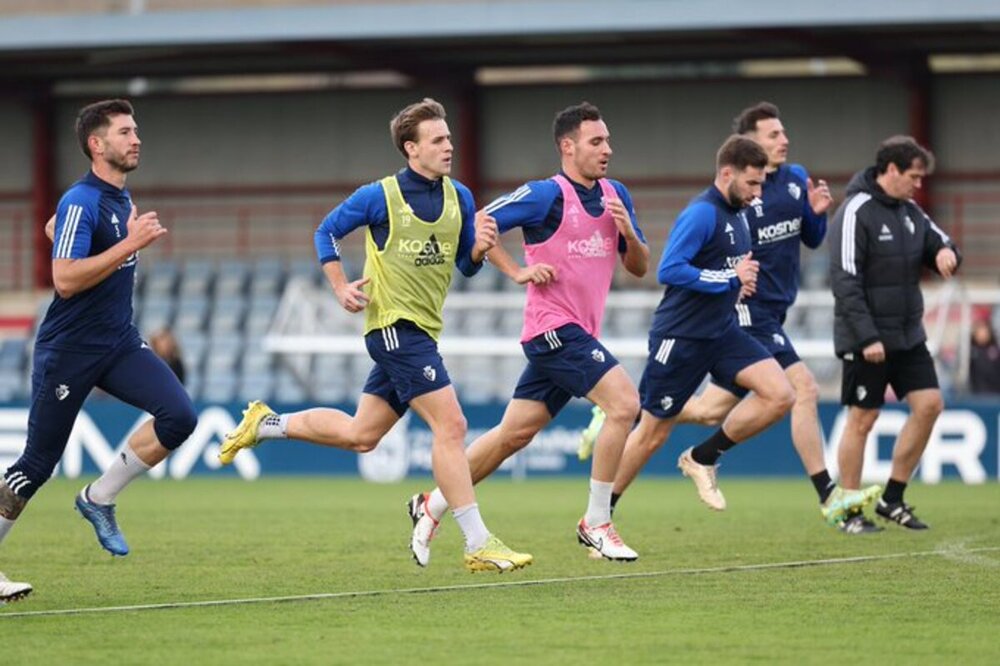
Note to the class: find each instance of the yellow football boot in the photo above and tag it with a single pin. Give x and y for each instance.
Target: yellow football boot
(245, 435)
(495, 556)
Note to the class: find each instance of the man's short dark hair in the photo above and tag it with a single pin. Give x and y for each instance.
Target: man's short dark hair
(569, 119)
(747, 121)
(98, 116)
(740, 152)
(403, 126)
(902, 150)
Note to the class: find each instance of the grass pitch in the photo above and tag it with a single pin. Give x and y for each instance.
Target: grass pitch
(206, 540)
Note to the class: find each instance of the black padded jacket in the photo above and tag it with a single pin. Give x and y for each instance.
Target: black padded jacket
(878, 247)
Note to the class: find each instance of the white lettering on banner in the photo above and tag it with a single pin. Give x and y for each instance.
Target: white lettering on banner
(203, 444)
(958, 441)
(390, 461)
(213, 424)
(958, 438)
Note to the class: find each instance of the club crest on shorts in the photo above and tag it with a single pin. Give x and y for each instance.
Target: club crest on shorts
(666, 402)
(778, 339)
(862, 392)
(597, 355)
(62, 392)
(430, 373)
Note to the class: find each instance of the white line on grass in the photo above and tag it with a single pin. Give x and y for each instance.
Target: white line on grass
(948, 552)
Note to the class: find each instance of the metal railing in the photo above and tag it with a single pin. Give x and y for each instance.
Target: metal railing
(310, 321)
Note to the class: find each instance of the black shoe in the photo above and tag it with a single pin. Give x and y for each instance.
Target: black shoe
(900, 513)
(856, 523)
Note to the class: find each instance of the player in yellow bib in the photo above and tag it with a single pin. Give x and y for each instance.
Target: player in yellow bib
(420, 226)
(410, 272)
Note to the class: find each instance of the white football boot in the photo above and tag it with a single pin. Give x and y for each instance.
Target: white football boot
(424, 528)
(12, 591)
(605, 541)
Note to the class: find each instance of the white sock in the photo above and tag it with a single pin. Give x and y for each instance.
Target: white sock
(273, 427)
(437, 504)
(5, 526)
(472, 526)
(599, 505)
(126, 467)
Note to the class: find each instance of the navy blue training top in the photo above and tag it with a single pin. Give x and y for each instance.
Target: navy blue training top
(698, 267)
(779, 221)
(91, 217)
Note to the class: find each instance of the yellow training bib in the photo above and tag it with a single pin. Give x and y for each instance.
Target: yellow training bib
(410, 276)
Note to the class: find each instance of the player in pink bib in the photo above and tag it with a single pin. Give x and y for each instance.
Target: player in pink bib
(575, 225)
(583, 253)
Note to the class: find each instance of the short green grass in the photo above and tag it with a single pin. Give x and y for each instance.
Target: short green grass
(207, 539)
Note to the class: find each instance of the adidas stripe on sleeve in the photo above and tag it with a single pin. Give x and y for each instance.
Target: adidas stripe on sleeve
(526, 206)
(74, 226)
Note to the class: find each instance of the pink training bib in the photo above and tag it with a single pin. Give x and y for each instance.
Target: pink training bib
(583, 251)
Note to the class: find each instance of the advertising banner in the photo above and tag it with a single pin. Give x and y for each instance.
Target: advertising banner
(964, 445)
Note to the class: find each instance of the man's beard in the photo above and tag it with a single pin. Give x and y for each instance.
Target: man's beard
(122, 165)
(735, 200)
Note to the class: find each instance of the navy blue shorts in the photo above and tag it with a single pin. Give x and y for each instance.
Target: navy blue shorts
(407, 364)
(676, 367)
(562, 363)
(766, 329)
(62, 379)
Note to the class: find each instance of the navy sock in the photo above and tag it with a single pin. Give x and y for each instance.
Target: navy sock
(708, 452)
(893, 491)
(824, 485)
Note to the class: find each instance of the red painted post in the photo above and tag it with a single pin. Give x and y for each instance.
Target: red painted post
(469, 148)
(42, 188)
(920, 125)
(17, 261)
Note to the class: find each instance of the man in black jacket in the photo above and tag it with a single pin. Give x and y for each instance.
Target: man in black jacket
(880, 240)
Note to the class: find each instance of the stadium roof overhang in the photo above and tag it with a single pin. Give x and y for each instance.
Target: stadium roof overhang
(424, 40)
